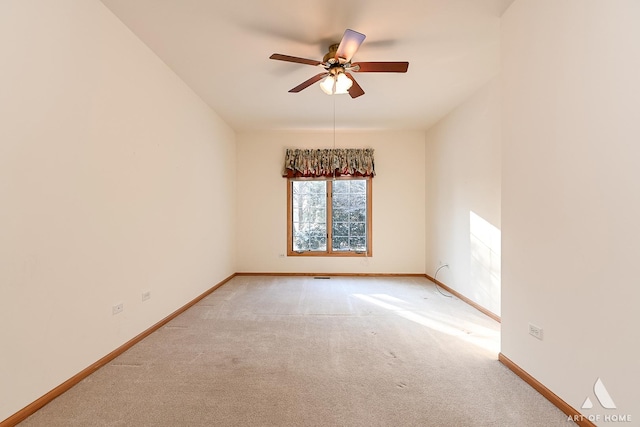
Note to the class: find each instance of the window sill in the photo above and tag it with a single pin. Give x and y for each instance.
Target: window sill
(328, 254)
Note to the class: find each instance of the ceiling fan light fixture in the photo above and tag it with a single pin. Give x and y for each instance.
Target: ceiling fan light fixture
(328, 85)
(337, 84)
(343, 84)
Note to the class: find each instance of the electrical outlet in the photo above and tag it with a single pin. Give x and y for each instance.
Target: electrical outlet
(280, 255)
(146, 295)
(118, 308)
(535, 331)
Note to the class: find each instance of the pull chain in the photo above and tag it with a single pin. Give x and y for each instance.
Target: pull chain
(333, 166)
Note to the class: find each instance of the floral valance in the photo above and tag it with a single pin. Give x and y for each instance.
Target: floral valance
(328, 162)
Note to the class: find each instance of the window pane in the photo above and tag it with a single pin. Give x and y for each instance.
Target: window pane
(340, 228)
(357, 229)
(317, 187)
(340, 215)
(349, 207)
(357, 215)
(340, 243)
(340, 187)
(318, 242)
(309, 206)
(357, 200)
(340, 201)
(358, 244)
(359, 186)
(300, 243)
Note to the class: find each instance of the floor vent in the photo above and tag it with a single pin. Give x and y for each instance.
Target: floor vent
(322, 277)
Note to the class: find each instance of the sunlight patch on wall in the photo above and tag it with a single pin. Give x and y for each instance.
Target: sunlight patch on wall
(485, 271)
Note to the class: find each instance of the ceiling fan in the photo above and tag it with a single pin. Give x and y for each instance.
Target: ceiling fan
(337, 78)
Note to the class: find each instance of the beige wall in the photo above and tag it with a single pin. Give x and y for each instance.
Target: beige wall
(570, 196)
(398, 202)
(114, 179)
(463, 198)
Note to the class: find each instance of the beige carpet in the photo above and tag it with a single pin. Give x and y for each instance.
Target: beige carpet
(298, 351)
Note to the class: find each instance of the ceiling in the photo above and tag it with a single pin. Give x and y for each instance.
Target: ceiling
(221, 50)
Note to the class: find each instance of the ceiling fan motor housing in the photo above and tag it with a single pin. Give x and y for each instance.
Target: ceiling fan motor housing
(333, 49)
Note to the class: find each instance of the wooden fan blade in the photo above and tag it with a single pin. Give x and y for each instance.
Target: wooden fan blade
(355, 90)
(382, 67)
(309, 82)
(295, 59)
(351, 41)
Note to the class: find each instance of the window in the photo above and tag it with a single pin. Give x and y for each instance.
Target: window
(329, 217)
